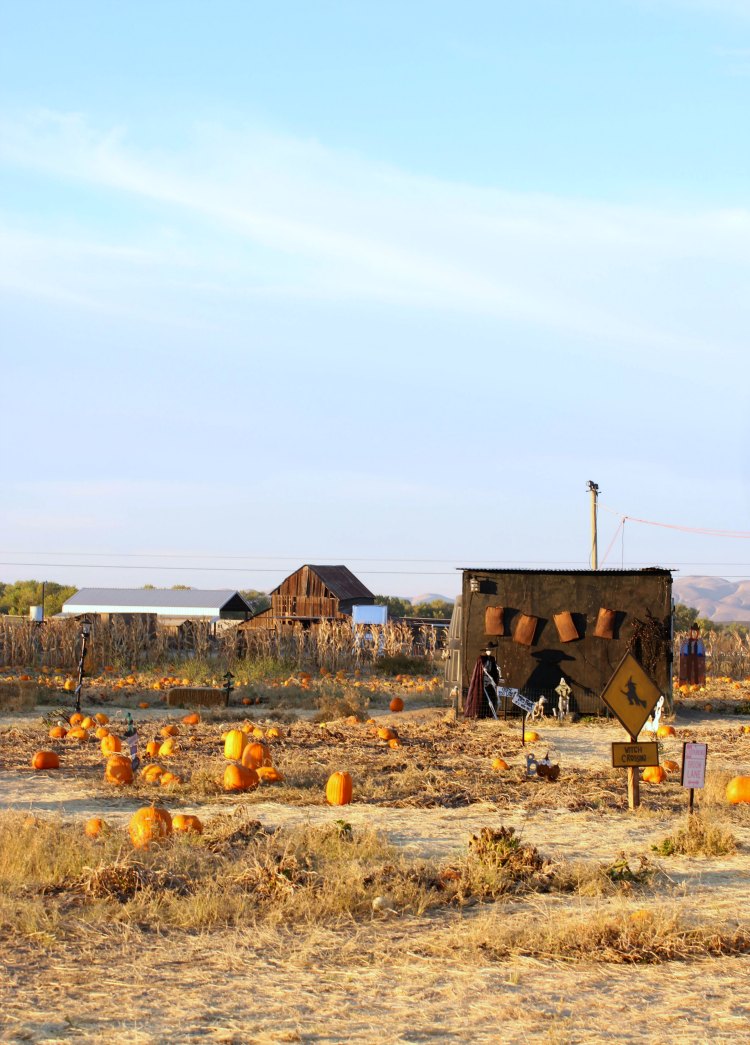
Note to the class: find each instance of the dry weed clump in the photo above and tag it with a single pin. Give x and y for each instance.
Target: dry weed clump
(699, 838)
(641, 936)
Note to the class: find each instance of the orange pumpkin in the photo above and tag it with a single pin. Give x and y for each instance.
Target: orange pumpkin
(111, 744)
(101, 718)
(152, 748)
(150, 824)
(190, 720)
(187, 822)
(666, 731)
(738, 790)
(499, 764)
(531, 737)
(240, 778)
(118, 770)
(274, 733)
(670, 765)
(101, 733)
(88, 722)
(270, 774)
(339, 789)
(386, 733)
(58, 733)
(654, 775)
(395, 742)
(169, 748)
(95, 827)
(169, 778)
(45, 760)
(397, 704)
(76, 718)
(256, 754)
(78, 733)
(152, 773)
(169, 731)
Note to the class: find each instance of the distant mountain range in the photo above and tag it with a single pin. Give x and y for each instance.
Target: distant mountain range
(715, 597)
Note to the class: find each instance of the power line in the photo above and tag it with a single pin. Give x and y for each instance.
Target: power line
(702, 530)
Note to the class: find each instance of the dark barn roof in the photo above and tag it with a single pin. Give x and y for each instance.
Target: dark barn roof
(515, 569)
(340, 581)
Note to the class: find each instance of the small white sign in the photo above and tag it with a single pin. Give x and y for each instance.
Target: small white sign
(523, 702)
(694, 765)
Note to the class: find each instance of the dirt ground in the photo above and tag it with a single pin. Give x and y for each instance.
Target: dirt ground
(366, 982)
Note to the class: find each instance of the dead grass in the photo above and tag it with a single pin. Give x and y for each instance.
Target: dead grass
(700, 837)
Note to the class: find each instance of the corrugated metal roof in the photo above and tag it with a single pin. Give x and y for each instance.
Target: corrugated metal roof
(178, 598)
(497, 569)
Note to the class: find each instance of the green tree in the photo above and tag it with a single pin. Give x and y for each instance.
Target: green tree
(257, 600)
(396, 607)
(18, 597)
(437, 608)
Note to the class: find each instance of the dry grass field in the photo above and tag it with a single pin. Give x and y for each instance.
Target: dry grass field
(448, 902)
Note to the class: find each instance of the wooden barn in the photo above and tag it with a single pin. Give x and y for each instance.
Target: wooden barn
(544, 625)
(309, 595)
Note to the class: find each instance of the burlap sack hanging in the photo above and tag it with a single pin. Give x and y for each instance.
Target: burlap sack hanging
(605, 624)
(493, 621)
(566, 628)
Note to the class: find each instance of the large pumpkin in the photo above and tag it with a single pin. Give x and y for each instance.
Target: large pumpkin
(150, 824)
(339, 789)
(119, 770)
(152, 773)
(234, 745)
(45, 760)
(397, 704)
(256, 754)
(738, 790)
(240, 778)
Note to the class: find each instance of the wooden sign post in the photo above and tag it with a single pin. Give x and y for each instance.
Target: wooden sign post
(631, 696)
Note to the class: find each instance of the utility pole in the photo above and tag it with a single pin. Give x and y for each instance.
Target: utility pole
(594, 491)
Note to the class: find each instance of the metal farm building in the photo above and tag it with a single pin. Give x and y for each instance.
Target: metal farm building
(573, 624)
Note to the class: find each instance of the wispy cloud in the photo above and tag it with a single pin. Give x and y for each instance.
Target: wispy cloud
(246, 213)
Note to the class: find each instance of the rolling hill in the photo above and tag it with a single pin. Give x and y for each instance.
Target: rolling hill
(715, 597)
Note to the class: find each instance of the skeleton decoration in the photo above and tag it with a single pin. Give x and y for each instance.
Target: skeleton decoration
(539, 709)
(563, 703)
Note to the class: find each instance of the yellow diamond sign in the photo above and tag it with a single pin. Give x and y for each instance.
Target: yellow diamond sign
(631, 695)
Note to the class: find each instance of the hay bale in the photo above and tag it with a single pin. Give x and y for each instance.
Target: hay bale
(197, 696)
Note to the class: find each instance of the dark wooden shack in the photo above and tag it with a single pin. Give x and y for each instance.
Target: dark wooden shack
(571, 624)
(312, 594)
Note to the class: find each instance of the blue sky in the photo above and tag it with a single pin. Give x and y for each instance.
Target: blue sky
(373, 283)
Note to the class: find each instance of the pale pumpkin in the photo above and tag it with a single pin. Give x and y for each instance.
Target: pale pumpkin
(169, 748)
(234, 745)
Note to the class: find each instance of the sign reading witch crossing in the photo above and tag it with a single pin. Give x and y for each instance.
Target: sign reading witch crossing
(631, 695)
(626, 755)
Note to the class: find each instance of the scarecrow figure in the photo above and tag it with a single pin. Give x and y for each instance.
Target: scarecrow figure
(693, 659)
(481, 698)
